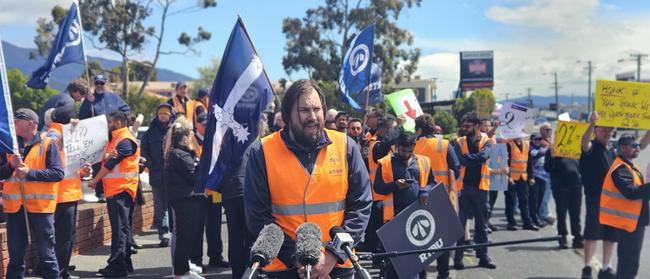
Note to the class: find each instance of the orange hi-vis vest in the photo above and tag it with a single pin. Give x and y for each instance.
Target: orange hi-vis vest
(485, 171)
(124, 176)
(200, 129)
(179, 108)
(436, 150)
(371, 137)
(615, 209)
(519, 160)
(297, 196)
(70, 186)
(40, 197)
(387, 175)
(372, 166)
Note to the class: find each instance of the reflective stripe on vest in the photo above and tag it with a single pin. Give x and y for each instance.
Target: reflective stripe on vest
(615, 209)
(519, 160)
(436, 149)
(297, 196)
(388, 177)
(484, 183)
(372, 166)
(124, 176)
(178, 107)
(39, 196)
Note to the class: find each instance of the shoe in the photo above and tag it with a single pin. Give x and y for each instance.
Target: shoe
(109, 272)
(606, 274)
(101, 200)
(134, 251)
(488, 230)
(443, 276)
(164, 243)
(493, 227)
(539, 224)
(487, 263)
(530, 228)
(586, 273)
(195, 268)
(459, 265)
(66, 275)
(129, 266)
(72, 267)
(219, 263)
(550, 220)
(136, 245)
(577, 244)
(512, 227)
(564, 245)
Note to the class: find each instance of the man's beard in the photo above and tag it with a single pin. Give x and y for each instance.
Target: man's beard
(304, 140)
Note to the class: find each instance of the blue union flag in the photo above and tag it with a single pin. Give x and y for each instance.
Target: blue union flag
(8, 143)
(355, 72)
(241, 91)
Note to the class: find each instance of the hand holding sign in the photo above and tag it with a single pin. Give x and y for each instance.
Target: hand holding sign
(84, 142)
(568, 137)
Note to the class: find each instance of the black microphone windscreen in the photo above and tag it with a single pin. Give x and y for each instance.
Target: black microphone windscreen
(268, 243)
(334, 230)
(308, 243)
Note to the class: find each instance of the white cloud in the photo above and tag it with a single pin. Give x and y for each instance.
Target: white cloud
(551, 37)
(21, 12)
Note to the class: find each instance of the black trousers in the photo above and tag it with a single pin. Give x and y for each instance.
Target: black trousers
(239, 239)
(568, 201)
(518, 190)
(119, 208)
(188, 230)
(492, 200)
(629, 253)
(371, 241)
(472, 201)
(65, 229)
(212, 216)
(540, 187)
(534, 201)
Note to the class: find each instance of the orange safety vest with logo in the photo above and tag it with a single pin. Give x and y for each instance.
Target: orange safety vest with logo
(387, 175)
(436, 150)
(485, 171)
(187, 109)
(519, 160)
(615, 209)
(125, 175)
(40, 197)
(200, 129)
(297, 196)
(70, 186)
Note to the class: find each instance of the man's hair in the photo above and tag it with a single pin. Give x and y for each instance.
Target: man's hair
(471, 117)
(294, 92)
(406, 139)
(426, 122)
(341, 113)
(626, 139)
(121, 116)
(352, 120)
(386, 121)
(77, 86)
(485, 119)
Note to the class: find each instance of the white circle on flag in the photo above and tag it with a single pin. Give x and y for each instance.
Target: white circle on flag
(358, 59)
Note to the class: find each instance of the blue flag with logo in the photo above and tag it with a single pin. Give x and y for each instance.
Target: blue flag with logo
(8, 141)
(373, 90)
(67, 48)
(240, 93)
(356, 70)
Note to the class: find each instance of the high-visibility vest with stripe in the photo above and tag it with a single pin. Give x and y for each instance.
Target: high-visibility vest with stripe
(124, 176)
(200, 129)
(40, 197)
(70, 186)
(615, 209)
(372, 171)
(519, 160)
(179, 108)
(484, 183)
(436, 150)
(297, 196)
(387, 175)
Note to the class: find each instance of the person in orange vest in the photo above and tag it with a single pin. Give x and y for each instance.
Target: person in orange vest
(473, 150)
(372, 123)
(305, 173)
(443, 158)
(624, 205)
(69, 194)
(180, 102)
(119, 175)
(200, 116)
(406, 177)
(31, 184)
(520, 178)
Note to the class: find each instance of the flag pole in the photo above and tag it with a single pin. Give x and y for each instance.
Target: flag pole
(83, 47)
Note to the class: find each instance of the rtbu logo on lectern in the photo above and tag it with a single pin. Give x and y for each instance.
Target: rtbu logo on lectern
(420, 227)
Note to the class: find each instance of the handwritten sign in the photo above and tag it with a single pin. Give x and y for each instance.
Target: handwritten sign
(498, 160)
(406, 105)
(514, 120)
(623, 104)
(84, 142)
(568, 139)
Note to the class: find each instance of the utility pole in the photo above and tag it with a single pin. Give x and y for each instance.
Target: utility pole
(507, 100)
(638, 57)
(530, 98)
(590, 99)
(557, 101)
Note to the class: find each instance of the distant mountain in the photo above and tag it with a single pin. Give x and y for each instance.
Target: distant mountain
(544, 101)
(18, 57)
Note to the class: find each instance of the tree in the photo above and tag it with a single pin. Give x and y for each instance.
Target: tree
(144, 104)
(317, 42)
(139, 70)
(25, 97)
(207, 74)
(446, 121)
(482, 101)
(118, 26)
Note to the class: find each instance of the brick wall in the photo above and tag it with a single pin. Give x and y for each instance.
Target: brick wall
(93, 229)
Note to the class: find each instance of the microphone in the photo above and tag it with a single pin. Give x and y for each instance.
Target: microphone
(308, 245)
(265, 249)
(343, 241)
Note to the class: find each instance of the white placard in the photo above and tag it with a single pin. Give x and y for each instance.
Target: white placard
(84, 142)
(514, 121)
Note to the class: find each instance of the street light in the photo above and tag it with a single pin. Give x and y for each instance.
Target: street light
(638, 57)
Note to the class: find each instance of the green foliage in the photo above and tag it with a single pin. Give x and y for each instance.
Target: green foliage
(207, 74)
(446, 121)
(25, 97)
(333, 100)
(144, 104)
(317, 42)
(482, 101)
(139, 70)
